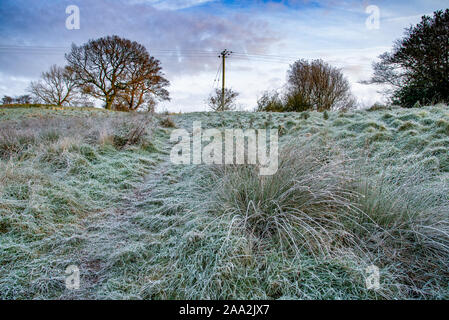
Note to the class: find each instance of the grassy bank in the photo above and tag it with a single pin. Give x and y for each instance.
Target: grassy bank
(353, 190)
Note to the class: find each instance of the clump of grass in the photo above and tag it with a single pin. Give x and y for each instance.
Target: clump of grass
(406, 228)
(377, 107)
(407, 126)
(299, 206)
(132, 133)
(378, 136)
(315, 205)
(410, 117)
(443, 125)
(305, 115)
(340, 122)
(167, 122)
(367, 126)
(14, 142)
(387, 117)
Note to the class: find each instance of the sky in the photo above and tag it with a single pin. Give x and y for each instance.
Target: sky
(188, 35)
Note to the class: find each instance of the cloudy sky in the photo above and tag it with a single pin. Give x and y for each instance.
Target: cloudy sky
(187, 36)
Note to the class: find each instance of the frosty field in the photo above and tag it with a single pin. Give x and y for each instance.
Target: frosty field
(97, 190)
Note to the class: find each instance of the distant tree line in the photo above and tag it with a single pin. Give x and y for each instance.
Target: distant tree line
(117, 71)
(24, 99)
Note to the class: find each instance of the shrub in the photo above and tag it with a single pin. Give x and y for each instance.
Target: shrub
(305, 115)
(270, 102)
(316, 85)
(167, 123)
(443, 125)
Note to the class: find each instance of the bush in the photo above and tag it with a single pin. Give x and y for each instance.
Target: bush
(270, 102)
(167, 122)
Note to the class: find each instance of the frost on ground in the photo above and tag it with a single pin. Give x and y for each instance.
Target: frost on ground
(97, 190)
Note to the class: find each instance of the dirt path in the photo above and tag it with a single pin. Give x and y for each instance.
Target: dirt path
(113, 237)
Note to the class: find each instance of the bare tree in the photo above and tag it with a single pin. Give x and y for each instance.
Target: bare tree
(215, 101)
(56, 86)
(316, 85)
(111, 67)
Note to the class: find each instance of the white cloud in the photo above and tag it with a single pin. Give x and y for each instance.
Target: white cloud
(176, 4)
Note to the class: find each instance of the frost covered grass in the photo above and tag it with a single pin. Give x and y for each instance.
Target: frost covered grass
(57, 171)
(353, 189)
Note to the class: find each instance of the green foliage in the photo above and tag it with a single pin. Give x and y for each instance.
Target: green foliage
(417, 67)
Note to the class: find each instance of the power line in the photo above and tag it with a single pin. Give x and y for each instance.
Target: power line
(168, 52)
(217, 77)
(172, 52)
(164, 54)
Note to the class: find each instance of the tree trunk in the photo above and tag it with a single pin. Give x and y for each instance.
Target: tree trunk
(109, 100)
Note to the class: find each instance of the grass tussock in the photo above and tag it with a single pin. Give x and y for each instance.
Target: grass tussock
(301, 206)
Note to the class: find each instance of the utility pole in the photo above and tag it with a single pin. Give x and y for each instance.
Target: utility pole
(223, 55)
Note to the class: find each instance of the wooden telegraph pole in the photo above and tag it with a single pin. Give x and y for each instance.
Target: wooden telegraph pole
(224, 54)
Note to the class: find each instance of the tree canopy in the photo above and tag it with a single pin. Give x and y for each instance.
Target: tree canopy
(416, 71)
(118, 71)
